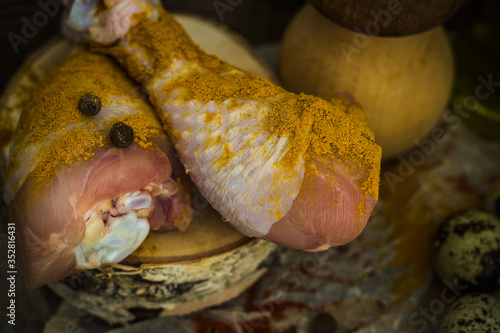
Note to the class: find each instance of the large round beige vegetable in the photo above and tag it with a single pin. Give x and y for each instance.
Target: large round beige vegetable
(402, 83)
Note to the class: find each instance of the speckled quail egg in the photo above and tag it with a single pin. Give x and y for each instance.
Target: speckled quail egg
(466, 250)
(473, 313)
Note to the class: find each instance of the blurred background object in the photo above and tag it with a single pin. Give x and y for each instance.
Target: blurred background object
(397, 18)
(477, 50)
(403, 84)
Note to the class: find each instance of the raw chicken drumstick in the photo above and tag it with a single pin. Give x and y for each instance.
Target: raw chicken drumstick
(83, 190)
(295, 169)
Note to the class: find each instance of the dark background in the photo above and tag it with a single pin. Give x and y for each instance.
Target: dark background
(260, 21)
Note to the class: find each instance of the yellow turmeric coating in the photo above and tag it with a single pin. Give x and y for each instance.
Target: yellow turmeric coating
(52, 113)
(10, 111)
(316, 128)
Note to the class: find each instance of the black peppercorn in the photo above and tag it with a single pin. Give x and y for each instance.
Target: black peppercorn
(89, 104)
(323, 323)
(121, 135)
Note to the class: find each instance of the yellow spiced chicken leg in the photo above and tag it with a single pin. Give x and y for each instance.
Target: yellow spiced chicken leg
(90, 172)
(296, 169)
